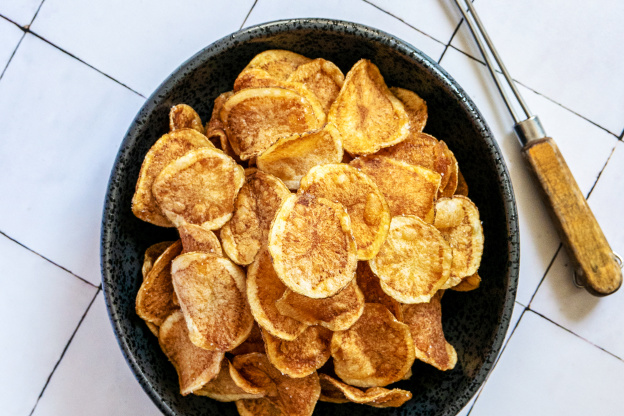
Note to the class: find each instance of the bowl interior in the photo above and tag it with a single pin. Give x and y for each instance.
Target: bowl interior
(474, 322)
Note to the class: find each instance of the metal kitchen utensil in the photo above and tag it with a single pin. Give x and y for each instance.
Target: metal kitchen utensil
(596, 267)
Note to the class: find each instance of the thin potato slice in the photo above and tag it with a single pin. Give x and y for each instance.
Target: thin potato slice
(253, 343)
(199, 188)
(321, 77)
(409, 189)
(255, 117)
(291, 157)
(215, 130)
(302, 356)
(195, 366)
(263, 289)
(376, 351)
(370, 286)
(425, 323)
(312, 246)
(223, 388)
(364, 202)
(183, 116)
(151, 255)
(337, 313)
(415, 107)
(255, 207)
(212, 294)
(467, 284)
(368, 116)
(166, 149)
(256, 78)
(257, 407)
(196, 238)
(278, 63)
(462, 185)
(154, 301)
(414, 262)
(335, 391)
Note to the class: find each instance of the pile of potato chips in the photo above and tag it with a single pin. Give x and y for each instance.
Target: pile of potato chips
(319, 227)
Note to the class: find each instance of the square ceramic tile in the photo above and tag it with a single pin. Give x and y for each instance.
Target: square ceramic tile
(93, 378)
(20, 11)
(436, 18)
(546, 370)
(136, 42)
(571, 53)
(41, 306)
(63, 123)
(351, 10)
(10, 36)
(538, 237)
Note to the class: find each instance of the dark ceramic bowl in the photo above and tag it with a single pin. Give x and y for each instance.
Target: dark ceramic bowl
(474, 322)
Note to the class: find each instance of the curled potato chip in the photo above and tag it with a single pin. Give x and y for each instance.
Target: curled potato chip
(212, 294)
(199, 188)
(196, 238)
(415, 107)
(364, 202)
(215, 130)
(183, 116)
(291, 157)
(256, 78)
(425, 323)
(154, 301)
(376, 351)
(462, 186)
(151, 254)
(368, 116)
(255, 207)
(468, 283)
(302, 356)
(321, 77)
(409, 189)
(335, 391)
(337, 312)
(277, 62)
(223, 388)
(312, 246)
(257, 407)
(414, 262)
(253, 343)
(195, 366)
(255, 117)
(370, 286)
(166, 149)
(263, 289)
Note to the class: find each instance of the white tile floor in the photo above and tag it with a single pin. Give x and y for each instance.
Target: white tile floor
(77, 72)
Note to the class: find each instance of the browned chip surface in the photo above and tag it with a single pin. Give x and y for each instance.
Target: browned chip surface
(462, 185)
(278, 63)
(368, 116)
(302, 356)
(256, 78)
(151, 254)
(468, 283)
(183, 116)
(291, 157)
(335, 391)
(212, 294)
(312, 246)
(337, 313)
(255, 207)
(415, 106)
(253, 343)
(195, 366)
(414, 262)
(409, 189)
(196, 238)
(370, 286)
(364, 202)
(257, 407)
(199, 188)
(321, 77)
(166, 149)
(425, 323)
(223, 388)
(376, 351)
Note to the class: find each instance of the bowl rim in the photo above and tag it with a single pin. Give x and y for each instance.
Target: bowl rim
(403, 47)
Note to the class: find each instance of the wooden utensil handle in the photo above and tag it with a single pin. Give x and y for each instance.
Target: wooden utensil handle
(594, 261)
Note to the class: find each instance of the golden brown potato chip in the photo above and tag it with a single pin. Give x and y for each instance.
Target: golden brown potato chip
(215, 130)
(302, 356)
(199, 188)
(453, 177)
(468, 283)
(254, 118)
(364, 202)
(154, 300)
(263, 289)
(223, 388)
(376, 351)
(166, 149)
(415, 107)
(183, 116)
(154, 329)
(414, 262)
(277, 62)
(409, 189)
(256, 78)
(425, 323)
(255, 207)
(462, 186)
(212, 294)
(253, 343)
(312, 246)
(368, 116)
(257, 407)
(196, 238)
(335, 391)
(370, 286)
(151, 254)
(195, 366)
(337, 312)
(291, 157)
(292, 396)
(321, 77)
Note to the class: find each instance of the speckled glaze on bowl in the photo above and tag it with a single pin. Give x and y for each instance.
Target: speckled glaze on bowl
(474, 322)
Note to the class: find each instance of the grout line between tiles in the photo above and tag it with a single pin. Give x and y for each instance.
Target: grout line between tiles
(48, 260)
(12, 55)
(552, 261)
(64, 350)
(36, 13)
(451, 39)
(600, 173)
(248, 13)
